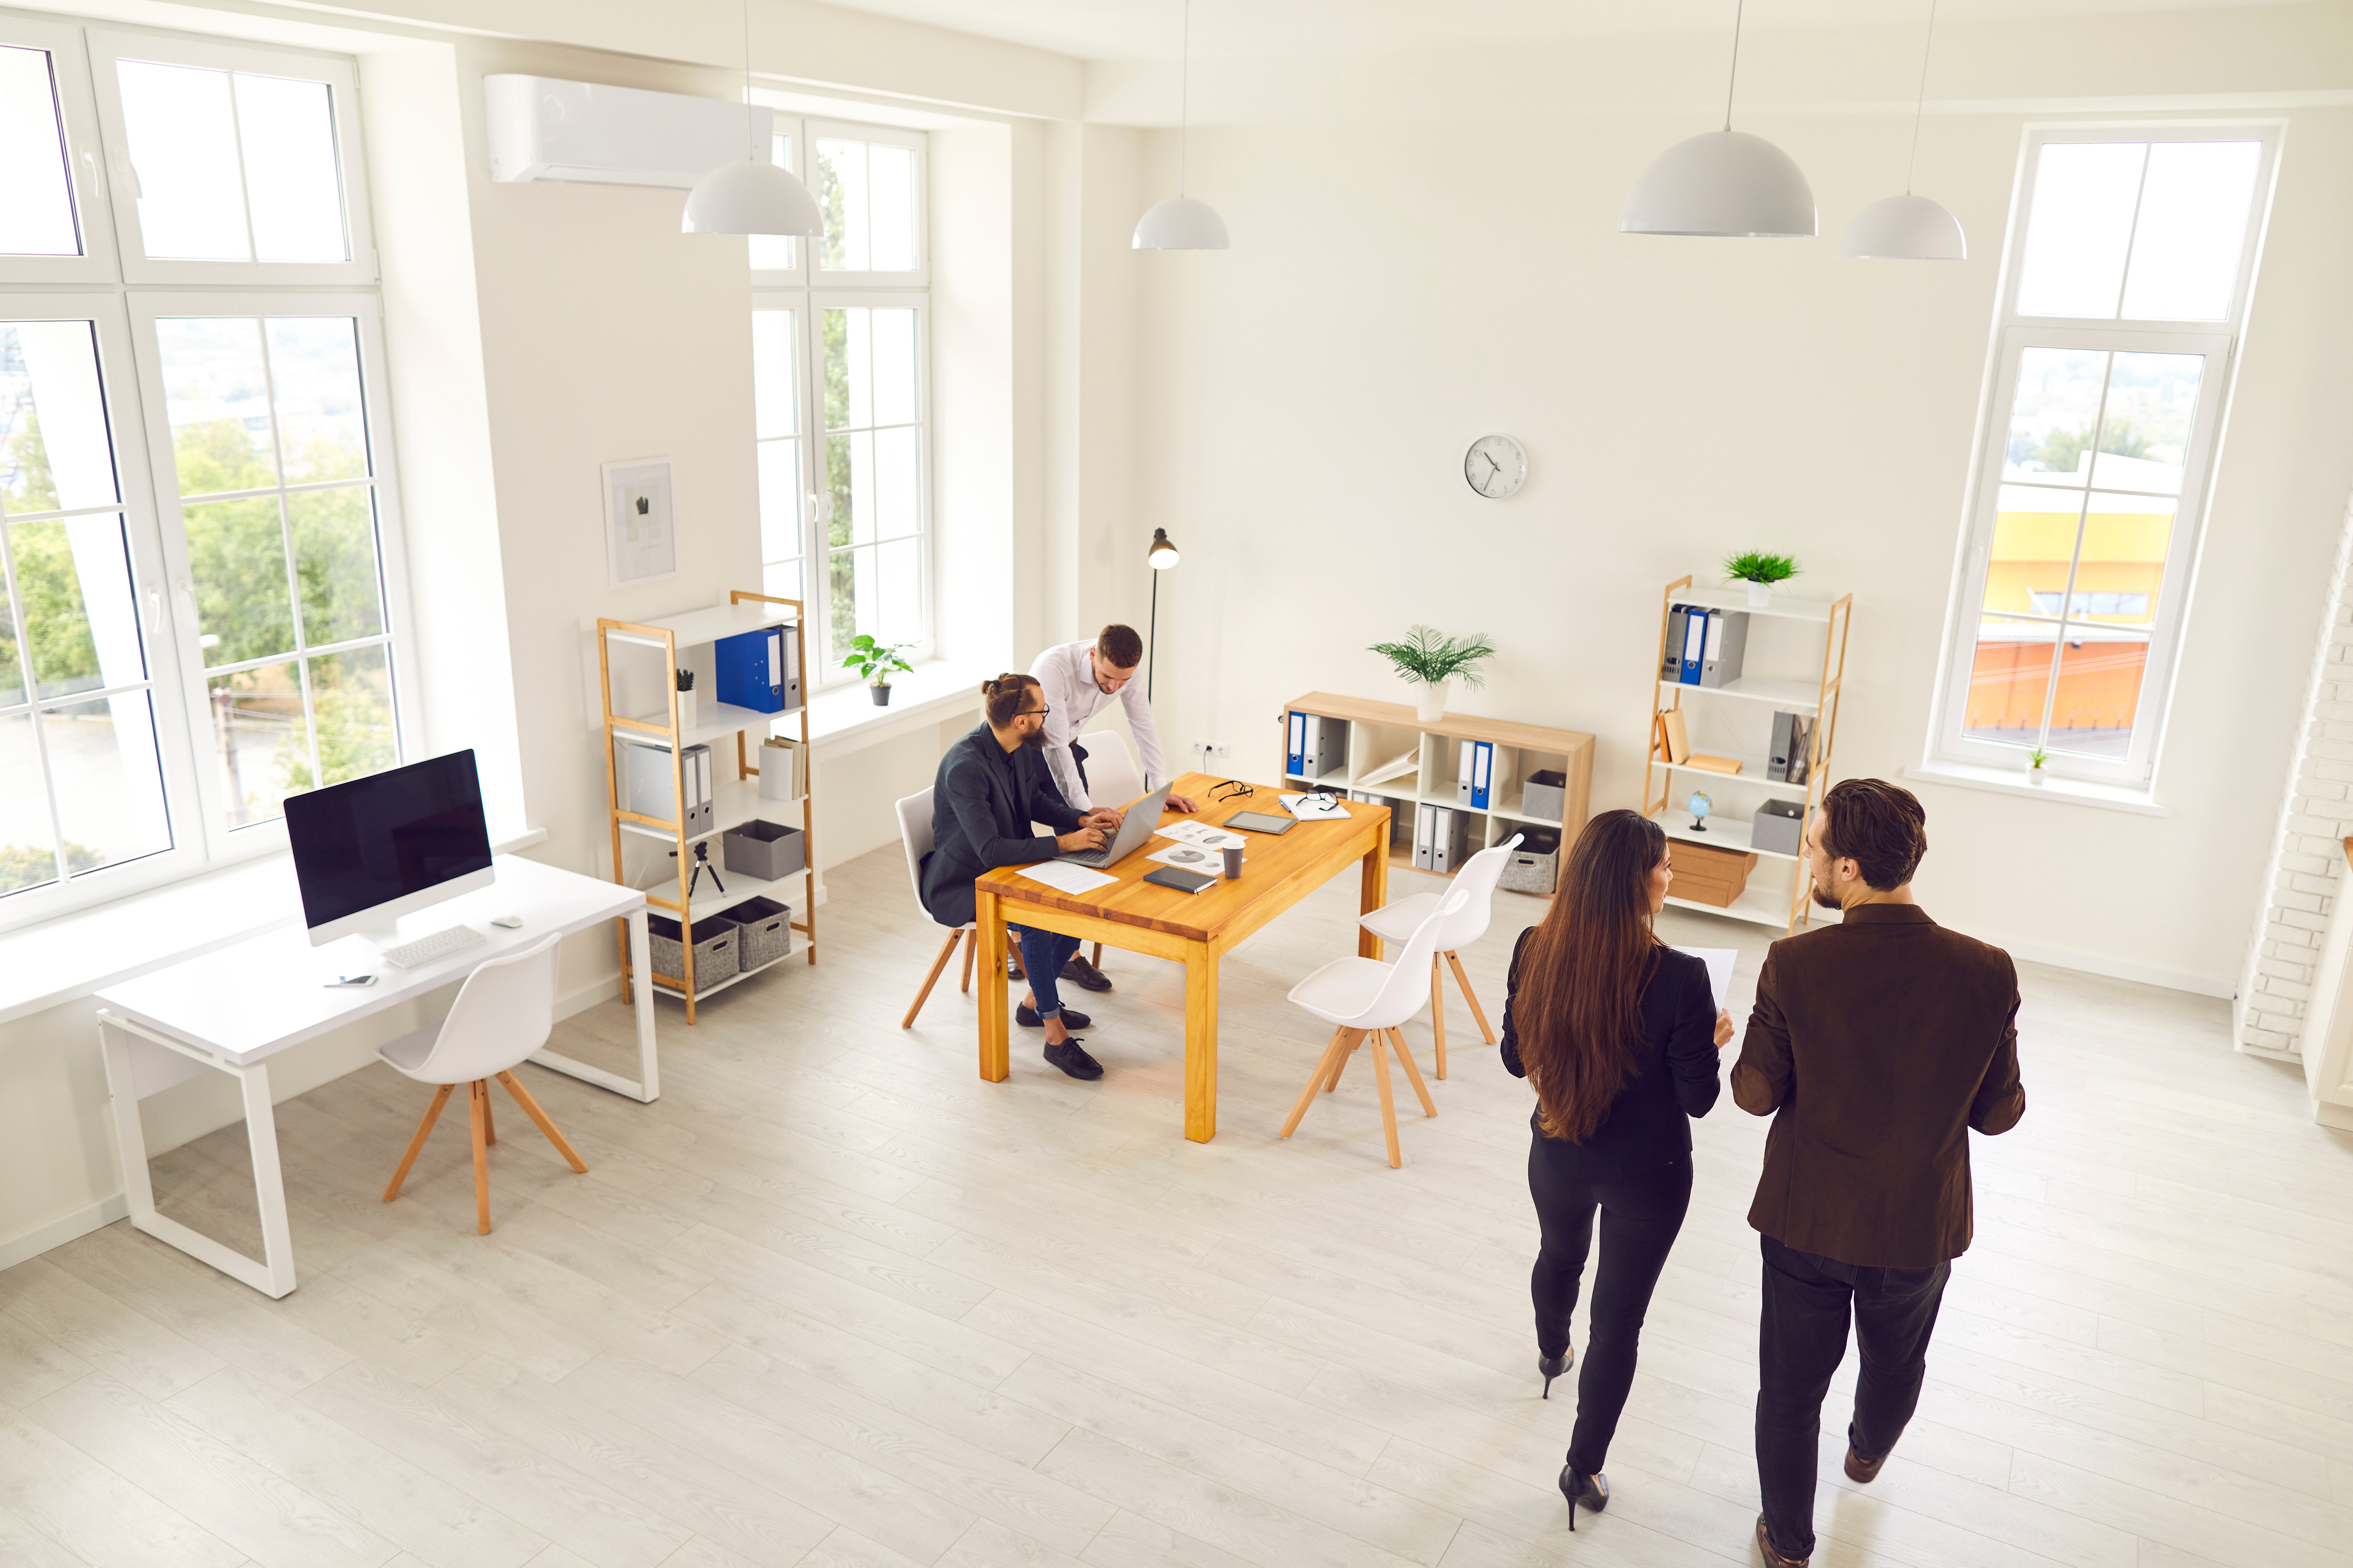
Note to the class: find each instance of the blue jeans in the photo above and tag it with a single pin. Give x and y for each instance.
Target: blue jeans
(1043, 953)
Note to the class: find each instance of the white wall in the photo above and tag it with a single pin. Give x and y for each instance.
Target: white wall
(1398, 288)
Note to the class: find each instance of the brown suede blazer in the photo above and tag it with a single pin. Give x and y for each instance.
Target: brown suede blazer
(1880, 1042)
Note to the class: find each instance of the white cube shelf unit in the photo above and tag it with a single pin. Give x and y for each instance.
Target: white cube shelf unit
(686, 640)
(1794, 663)
(1380, 734)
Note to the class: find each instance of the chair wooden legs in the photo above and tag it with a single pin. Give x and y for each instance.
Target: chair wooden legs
(1097, 960)
(478, 1105)
(971, 946)
(481, 1127)
(1437, 1011)
(432, 1115)
(1476, 1011)
(1421, 1089)
(1336, 1056)
(539, 1119)
(1328, 1069)
(933, 978)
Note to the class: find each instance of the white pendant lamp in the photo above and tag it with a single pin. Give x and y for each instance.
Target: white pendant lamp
(1908, 227)
(1181, 223)
(1724, 182)
(754, 196)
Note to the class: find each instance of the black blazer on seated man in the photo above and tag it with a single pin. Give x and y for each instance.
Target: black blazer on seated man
(983, 805)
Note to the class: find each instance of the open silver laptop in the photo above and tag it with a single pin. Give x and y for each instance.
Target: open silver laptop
(1136, 826)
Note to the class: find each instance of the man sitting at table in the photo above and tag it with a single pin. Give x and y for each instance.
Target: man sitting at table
(991, 787)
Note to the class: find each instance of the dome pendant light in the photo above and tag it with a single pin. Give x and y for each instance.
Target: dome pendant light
(1180, 223)
(1908, 227)
(754, 196)
(1724, 182)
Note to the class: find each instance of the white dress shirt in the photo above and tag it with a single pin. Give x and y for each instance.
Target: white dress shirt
(1066, 674)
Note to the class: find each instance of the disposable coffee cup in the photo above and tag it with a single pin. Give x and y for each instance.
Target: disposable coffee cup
(1234, 862)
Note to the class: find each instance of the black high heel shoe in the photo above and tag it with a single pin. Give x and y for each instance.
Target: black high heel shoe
(1592, 1490)
(1552, 1367)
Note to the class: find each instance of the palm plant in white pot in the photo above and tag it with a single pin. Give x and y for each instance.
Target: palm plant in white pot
(1431, 662)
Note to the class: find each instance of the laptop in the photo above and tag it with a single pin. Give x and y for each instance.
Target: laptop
(1141, 820)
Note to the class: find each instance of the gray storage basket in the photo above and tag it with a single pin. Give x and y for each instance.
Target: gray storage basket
(715, 951)
(1546, 793)
(1535, 865)
(764, 932)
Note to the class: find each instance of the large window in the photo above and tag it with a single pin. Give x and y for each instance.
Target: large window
(199, 596)
(2127, 282)
(841, 384)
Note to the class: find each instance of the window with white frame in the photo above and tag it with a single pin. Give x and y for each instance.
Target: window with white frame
(841, 393)
(2127, 284)
(200, 605)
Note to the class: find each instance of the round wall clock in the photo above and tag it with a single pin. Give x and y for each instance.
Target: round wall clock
(1495, 466)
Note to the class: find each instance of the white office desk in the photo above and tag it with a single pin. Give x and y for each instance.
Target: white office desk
(234, 1008)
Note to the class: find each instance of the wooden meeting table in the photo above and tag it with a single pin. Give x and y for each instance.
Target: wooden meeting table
(1192, 929)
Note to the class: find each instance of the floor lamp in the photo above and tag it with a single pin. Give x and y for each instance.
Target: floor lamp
(1162, 556)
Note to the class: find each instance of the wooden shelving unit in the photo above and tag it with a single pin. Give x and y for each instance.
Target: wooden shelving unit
(1380, 732)
(733, 801)
(1745, 708)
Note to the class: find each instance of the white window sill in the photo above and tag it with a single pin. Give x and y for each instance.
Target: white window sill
(76, 954)
(845, 718)
(2068, 792)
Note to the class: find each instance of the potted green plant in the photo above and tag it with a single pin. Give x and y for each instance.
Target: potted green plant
(1431, 662)
(685, 699)
(2035, 761)
(875, 662)
(1760, 571)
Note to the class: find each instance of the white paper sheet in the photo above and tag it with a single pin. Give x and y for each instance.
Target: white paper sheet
(1719, 961)
(1186, 858)
(1066, 877)
(1201, 835)
(1396, 767)
(1311, 813)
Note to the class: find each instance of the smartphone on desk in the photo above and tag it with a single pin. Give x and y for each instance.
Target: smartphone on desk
(344, 980)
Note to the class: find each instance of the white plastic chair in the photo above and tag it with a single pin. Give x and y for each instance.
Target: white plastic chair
(915, 832)
(1395, 922)
(1363, 998)
(502, 1014)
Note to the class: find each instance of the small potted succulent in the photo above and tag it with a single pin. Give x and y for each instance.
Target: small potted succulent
(685, 699)
(1760, 571)
(2035, 761)
(875, 662)
(1431, 662)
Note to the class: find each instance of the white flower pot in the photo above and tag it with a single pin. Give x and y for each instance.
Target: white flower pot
(685, 712)
(1430, 702)
(2036, 777)
(1761, 595)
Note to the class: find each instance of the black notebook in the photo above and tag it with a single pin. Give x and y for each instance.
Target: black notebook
(1184, 881)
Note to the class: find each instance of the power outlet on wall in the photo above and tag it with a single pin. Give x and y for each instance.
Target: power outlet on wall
(1205, 750)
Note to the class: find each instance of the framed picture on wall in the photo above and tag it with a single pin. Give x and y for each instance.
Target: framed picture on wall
(640, 529)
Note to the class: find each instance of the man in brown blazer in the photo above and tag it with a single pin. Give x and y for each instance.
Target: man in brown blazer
(1876, 1044)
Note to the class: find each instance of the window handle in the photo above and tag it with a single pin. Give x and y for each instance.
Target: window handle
(821, 505)
(128, 172)
(155, 611)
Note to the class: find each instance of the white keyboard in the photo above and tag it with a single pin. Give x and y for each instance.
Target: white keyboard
(426, 949)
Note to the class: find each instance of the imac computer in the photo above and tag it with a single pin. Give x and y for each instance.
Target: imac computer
(369, 851)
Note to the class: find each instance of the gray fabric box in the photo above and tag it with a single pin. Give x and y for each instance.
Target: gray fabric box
(1779, 827)
(1535, 865)
(764, 850)
(1545, 794)
(716, 950)
(764, 930)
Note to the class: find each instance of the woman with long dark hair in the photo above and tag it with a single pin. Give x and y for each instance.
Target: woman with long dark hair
(1617, 1034)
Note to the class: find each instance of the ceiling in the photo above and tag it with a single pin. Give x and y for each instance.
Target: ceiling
(1147, 29)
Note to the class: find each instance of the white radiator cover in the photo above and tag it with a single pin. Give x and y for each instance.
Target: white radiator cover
(541, 127)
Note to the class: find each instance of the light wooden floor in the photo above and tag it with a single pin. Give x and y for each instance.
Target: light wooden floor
(832, 1301)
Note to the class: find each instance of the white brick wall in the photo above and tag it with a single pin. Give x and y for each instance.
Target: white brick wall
(2307, 858)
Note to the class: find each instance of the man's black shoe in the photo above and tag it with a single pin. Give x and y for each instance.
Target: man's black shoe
(1071, 1018)
(1079, 973)
(1072, 1058)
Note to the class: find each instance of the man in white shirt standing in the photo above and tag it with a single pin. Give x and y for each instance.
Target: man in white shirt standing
(1079, 680)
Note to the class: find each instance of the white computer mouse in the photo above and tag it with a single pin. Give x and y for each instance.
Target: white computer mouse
(508, 921)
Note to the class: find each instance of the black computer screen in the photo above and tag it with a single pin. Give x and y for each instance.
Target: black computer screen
(385, 837)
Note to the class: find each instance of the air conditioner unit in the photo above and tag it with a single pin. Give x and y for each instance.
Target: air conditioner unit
(543, 129)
